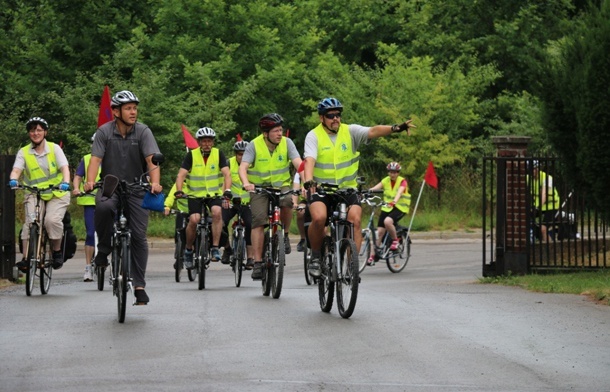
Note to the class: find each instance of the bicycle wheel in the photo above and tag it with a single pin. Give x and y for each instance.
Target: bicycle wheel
(239, 253)
(326, 288)
(277, 264)
(99, 272)
(179, 256)
(397, 261)
(46, 264)
(266, 281)
(32, 260)
(123, 275)
(202, 259)
(365, 249)
(306, 258)
(348, 280)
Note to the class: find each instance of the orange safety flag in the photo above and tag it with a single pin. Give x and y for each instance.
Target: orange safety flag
(105, 113)
(430, 177)
(189, 140)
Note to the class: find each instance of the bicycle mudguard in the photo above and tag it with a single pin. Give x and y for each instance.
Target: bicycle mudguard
(110, 184)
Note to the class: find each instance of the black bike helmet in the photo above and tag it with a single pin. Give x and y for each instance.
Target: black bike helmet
(240, 145)
(328, 104)
(36, 120)
(270, 121)
(123, 97)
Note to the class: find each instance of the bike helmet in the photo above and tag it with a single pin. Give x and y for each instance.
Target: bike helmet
(36, 120)
(328, 104)
(393, 166)
(123, 97)
(92, 138)
(270, 121)
(205, 132)
(240, 145)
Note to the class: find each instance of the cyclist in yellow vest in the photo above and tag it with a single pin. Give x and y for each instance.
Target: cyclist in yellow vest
(396, 196)
(331, 156)
(246, 214)
(546, 199)
(43, 163)
(204, 166)
(88, 203)
(266, 163)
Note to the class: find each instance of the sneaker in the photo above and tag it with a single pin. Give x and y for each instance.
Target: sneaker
(371, 260)
(301, 245)
(58, 260)
(257, 271)
(215, 254)
(141, 297)
(88, 277)
(394, 245)
(287, 248)
(314, 267)
(249, 264)
(226, 256)
(22, 265)
(101, 260)
(188, 259)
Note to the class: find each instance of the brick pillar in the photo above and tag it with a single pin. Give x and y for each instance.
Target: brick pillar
(511, 231)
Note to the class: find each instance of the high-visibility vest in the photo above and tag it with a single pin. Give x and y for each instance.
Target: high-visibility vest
(88, 200)
(336, 164)
(34, 175)
(203, 177)
(389, 193)
(181, 204)
(236, 185)
(552, 198)
(270, 169)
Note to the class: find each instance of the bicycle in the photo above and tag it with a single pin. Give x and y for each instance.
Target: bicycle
(307, 255)
(179, 249)
(396, 260)
(339, 255)
(238, 242)
(38, 251)
(274, 257)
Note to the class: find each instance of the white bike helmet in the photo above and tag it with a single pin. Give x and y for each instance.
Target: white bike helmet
(393, 166)
(240, 145)
(205, 132)
(123, 97)
(36, 120)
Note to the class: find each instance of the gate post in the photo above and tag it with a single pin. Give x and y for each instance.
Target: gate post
(511, 240)
(7, 218)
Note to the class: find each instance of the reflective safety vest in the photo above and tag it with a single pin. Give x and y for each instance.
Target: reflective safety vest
(552, 197)
(35, 176)
(270, 169)
(181, 204)
(389, 193)
(336, 164)
(88, 200)
(236, 185)
(203, 177)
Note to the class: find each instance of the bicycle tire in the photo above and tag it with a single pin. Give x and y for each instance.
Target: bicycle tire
(239, 244)
(306, 258)
(192, 274)
(397, 261)
(348, 279)
(277, 263)
(266, 280)
(30, 274)
(99, 272)
(123, 269)
(204, 251)
(326, 288)
(179, 257)
(46, 267)
(365, 249)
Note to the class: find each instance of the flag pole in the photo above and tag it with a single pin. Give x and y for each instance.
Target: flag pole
(415, 208)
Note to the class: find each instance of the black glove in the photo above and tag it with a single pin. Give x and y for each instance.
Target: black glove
(179, 194)
(400, 128)
(227, 194)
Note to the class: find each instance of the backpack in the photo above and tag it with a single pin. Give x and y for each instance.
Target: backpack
(68, 241)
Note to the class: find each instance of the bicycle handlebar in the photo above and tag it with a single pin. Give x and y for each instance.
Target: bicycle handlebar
(35, 189)
(274, 191)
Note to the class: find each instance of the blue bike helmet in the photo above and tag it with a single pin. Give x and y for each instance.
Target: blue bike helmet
(328, 104)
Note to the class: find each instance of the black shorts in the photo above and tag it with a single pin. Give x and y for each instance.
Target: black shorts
(395, 214)
(353, 199)
(196, 204)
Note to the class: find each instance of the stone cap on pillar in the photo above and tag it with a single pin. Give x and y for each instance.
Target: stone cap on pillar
(511, 146)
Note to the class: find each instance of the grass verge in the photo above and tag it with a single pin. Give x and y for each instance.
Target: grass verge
(594, 284)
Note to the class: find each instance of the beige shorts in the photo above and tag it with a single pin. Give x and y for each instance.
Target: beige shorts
(54, 215)
(258, 205)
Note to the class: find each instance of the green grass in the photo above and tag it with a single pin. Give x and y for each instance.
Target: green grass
(595, 284)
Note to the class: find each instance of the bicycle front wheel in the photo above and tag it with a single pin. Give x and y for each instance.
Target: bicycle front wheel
(239, 253)
(277, 263)
(306, 258)
(202, 257)
(32, 257)
(267, 270)
(326, 287)
(365, 249)
(348, 280)
(397, 261)
(123, 275)
(99, 272)
(179, 256)
(46, 268)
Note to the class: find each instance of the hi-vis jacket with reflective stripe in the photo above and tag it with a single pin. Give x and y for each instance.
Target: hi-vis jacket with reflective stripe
(203, 177)
(35, 176)
(389, 193)
(270, 169)
(336, 164)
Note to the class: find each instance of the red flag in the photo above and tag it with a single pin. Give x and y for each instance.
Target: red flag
(61, 144)
(238, 138)
(301, 168)
(430, 176)
(288, 132)
(189, 140)
(105, 113)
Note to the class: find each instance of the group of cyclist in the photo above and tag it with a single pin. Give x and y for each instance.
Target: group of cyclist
(124, 148)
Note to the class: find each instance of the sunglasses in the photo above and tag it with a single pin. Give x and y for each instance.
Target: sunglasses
(332, 116)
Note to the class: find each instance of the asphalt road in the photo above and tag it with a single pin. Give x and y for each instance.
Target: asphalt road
(428, 328)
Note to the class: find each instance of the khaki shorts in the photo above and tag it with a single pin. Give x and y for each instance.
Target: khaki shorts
(54, 215)
(258, 205)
